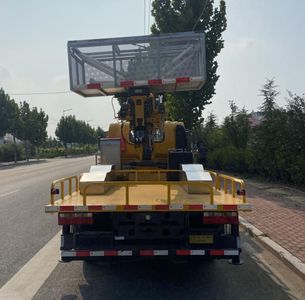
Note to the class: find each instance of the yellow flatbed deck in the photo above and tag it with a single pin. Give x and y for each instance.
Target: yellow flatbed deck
(152, 196)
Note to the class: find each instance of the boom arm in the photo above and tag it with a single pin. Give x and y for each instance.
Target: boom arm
(146, 116)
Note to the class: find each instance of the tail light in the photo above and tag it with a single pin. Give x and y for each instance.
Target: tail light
(241, 192)
(220, 217)
(75, 219)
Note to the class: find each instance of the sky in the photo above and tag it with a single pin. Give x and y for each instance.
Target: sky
(264, 39)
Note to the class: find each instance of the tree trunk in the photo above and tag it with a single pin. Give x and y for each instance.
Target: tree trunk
(37, 152)
(65, 144)
(26, 151)
(15, 149)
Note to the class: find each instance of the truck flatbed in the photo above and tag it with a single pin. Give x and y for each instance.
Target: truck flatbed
(159, 195)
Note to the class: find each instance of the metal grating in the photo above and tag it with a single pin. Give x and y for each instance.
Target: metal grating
(166, 63)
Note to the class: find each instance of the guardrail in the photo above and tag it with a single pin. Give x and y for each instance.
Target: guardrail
(225, 179)
(219, 180)
(62, 181)
(169, 184)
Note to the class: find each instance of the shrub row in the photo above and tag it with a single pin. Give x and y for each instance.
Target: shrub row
(7, 152)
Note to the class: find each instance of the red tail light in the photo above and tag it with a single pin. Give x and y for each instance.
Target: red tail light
(220, 217)
(241, 192)
(94, 86)
(126, 83)
(183, 79)
(75, 219)
(155, 82)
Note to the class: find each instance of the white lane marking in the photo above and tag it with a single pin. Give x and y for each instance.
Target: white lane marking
(9, 193)
(27, 281)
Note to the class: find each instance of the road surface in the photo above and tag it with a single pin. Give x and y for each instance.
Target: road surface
(29, 254)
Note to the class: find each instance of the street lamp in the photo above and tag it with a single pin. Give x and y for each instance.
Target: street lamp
(65, 110)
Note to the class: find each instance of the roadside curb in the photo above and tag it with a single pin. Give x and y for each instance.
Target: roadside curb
(291, 261)
(18, 163)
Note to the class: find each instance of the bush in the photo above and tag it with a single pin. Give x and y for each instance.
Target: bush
(51, 152)
(56, 152)
(227, 158)
(7, 152)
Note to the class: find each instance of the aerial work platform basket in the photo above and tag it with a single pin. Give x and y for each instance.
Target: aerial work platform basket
(165, 63)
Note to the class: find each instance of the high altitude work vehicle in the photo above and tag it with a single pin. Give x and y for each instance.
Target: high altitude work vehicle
(147, 196)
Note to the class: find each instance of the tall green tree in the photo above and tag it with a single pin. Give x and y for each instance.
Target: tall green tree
(69, 130)
(7, 112)
(295, 138)
(99, 133)
(268, 138)
(15, 127)
(193, 15)
(66, 130)
(25, 125)
(236, 127)
(39, 129)
(33, 126)
(269, 93)
(9, 118)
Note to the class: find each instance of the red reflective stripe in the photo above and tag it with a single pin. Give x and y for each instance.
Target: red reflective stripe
(110, 253)
(131, 207)
(183, 252)
(66, 208)
(81, 253)
(195, 206)
(146, 252)
(230, 207)
(216, 252)
(127, 83)
(95, 207)
(183, 79)
(154, 81)
(94, 86)
(220, 220)
(162, 207)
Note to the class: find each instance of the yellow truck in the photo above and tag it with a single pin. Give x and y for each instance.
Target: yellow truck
(147, 196)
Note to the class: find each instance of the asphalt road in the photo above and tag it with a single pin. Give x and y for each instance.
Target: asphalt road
(25, 229)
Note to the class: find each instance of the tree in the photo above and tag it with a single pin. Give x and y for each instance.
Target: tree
(7, 112)
(269, 94)
(51, 142)
(66, 130)
(39, 129)
(269, 138)
(236, 127)
(25, 125)
(9, 116)
(193, 15)
(211, 121)
(15, 127)
(295, 138)
(99, 133)
(69, 130)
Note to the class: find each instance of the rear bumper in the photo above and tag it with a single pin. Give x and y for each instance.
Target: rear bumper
(104, 254)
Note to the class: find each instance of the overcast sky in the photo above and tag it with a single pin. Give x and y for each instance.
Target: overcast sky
(263, 39)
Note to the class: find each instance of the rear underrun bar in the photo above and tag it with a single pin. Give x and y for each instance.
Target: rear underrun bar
(178, 252)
